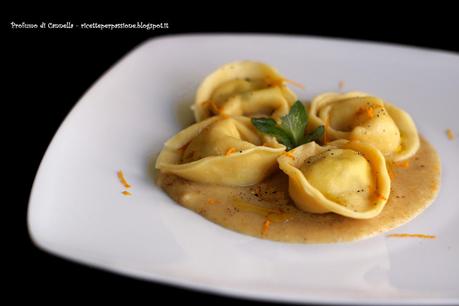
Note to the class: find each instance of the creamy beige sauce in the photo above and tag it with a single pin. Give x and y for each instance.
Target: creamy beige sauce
(266, 211)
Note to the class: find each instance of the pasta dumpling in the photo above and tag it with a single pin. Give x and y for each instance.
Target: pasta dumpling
(243, 88)
(348, 178)
(221, 150)
(359, 116)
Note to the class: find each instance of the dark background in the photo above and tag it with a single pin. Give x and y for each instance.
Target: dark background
(49, 70)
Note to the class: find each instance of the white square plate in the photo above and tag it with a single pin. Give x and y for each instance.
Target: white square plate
(77, 210)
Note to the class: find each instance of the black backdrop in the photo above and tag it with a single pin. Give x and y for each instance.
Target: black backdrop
(48, 71)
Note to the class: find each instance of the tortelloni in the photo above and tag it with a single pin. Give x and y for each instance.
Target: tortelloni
(221, 150)
(243, 88)
(359, 116)
(348, 178)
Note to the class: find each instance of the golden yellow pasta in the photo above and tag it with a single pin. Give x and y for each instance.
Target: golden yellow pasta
(348, 178)
(333, 184)
(359, 116)
(243, 88)
(221, 150)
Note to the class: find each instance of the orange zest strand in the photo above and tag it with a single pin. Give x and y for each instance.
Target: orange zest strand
(224, 116)
(412, 236)
(403, 164)
(380, 197)
(265, 228)
(450, 134)
(391, 172)
(123, 179)
(212, 201)
(126, 193)
(295, 83)
(230, 151)
(370, 113)
(288, 154)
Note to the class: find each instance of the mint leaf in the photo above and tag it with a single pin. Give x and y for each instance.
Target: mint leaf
(291, 130)
(295, 122)
(315, 135)
(270, 127)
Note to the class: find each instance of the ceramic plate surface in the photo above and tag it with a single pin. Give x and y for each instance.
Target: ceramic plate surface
(77, 211)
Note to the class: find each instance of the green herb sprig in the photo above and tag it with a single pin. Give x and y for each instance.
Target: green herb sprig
(291, 131)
